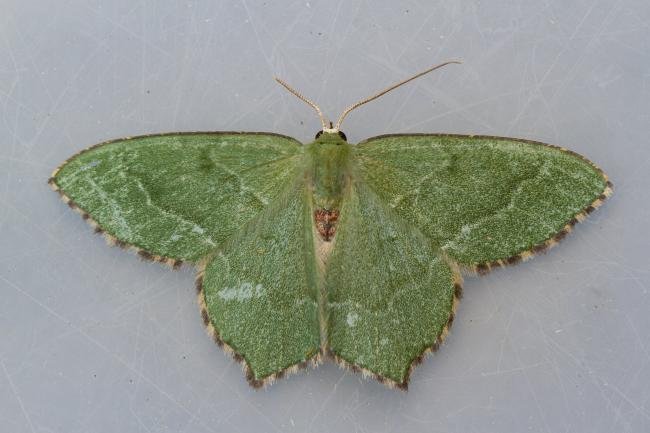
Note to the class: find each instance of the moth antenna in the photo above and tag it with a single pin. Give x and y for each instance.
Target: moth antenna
(306, 100)
(388, 89)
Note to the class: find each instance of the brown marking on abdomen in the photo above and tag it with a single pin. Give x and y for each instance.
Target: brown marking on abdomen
(326, 222)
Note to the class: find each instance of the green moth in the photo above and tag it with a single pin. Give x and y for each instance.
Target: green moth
(352, 252)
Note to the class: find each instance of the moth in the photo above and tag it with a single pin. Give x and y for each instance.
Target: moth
(328, 249)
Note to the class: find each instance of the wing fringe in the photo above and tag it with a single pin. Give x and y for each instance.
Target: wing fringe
(403, 385)
(543, 247)
(109, 238)
(254, 382)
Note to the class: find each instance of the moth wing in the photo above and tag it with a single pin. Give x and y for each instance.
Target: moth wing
(390, 298)
(174, 197)
(258, 293)
(484, 201)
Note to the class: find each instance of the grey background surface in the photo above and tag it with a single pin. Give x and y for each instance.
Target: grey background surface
(92, 339)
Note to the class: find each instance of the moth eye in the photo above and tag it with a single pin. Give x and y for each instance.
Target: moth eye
(342, 135)
(318, 134)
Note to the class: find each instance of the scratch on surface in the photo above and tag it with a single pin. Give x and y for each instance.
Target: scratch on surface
(102, 347)
(15, 393)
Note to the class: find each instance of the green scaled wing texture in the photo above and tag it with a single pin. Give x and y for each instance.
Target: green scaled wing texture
(390, 298)
(410, 211)
(179, 195)
(259, 294)
(481, 200)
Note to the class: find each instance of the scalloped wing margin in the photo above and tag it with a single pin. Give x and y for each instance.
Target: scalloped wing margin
(258, 294)
(175, 197)
(390, 298)
(485, 201)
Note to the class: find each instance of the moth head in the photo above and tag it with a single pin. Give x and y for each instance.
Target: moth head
(331, 130)
(335, 129)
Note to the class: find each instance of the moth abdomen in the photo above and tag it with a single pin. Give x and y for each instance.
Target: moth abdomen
(325, 220)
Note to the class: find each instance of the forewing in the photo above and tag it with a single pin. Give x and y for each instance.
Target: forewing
(390, 298)
(258, 293)
(178, 195)
(482, 200)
